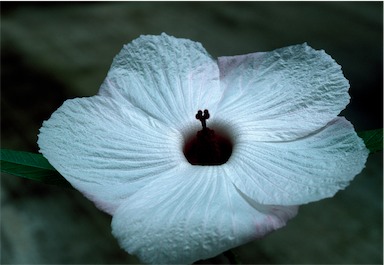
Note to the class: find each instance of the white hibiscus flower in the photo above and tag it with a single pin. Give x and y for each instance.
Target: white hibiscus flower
(273, 140)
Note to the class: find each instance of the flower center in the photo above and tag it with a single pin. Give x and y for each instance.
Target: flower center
(207, 147)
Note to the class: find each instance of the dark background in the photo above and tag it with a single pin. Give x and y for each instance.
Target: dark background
(52, 52)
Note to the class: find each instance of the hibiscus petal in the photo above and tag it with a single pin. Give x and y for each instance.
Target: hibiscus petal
(168, 78)
(300, 171)
(284, 94)
(194, 214)
(107, 150)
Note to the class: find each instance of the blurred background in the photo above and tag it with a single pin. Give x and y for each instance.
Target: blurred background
(52, 52)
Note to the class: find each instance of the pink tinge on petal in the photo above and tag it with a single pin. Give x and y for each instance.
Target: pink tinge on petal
(195, 214)
(228, 64)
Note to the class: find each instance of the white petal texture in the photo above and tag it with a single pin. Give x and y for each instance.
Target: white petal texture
(106, 150)
(301, 171)
(168, 78)
(200, 215)
(282, 95)
(123, 148)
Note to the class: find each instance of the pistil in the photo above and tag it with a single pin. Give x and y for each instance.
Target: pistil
(207, 147)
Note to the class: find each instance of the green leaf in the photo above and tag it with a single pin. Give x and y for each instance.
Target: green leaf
(373, 139)
(31, 166)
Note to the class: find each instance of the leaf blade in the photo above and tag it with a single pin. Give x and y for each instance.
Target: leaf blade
(26, 159)
(373, 139)
(31, 166)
